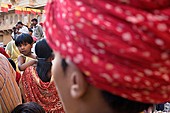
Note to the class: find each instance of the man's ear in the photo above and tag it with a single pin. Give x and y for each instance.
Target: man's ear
(78, 85)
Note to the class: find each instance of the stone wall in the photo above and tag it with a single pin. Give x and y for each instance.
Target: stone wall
(9, 20)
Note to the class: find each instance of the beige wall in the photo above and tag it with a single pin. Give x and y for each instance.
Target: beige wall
(6, 39)
(8, 20)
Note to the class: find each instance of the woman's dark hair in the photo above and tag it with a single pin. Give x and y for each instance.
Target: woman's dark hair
(12, 63)
(43, 52)
(23, 38)
(117, 103)
(122, 105)
(30, 107)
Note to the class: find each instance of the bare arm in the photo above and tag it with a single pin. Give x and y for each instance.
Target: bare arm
(32, 56)
(22, 65)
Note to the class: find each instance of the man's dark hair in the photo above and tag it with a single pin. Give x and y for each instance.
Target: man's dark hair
(20, 23)
(34, 19)
(30, 107)
(23, 38)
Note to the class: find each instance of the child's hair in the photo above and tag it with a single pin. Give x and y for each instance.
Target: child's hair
(23, 38)
(29, 107)
(12, 63)
(43, 52)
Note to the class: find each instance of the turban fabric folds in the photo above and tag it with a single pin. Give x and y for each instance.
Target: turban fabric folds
(122, 46)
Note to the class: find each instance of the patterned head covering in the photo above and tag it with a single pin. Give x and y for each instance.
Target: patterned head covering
(122, 46)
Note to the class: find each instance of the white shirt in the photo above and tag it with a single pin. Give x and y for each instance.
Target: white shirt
(38, 32)
(24, 29)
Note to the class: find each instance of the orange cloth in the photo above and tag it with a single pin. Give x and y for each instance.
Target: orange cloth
(10, 95)
(18, 76)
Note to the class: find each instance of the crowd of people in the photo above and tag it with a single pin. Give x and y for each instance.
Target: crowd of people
(98, 56)
(30, 60)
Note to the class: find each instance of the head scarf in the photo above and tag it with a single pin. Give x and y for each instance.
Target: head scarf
(122, 46)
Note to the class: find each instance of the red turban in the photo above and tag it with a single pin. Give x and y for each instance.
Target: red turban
(122, 46)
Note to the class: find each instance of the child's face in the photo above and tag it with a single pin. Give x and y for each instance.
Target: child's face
(25, 49)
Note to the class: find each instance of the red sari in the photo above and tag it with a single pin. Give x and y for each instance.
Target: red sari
(44, 93)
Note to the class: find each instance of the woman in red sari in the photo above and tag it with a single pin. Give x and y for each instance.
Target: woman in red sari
(37, 84)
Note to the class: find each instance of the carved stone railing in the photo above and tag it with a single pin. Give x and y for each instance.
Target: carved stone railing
(8, 20)
(28, 2)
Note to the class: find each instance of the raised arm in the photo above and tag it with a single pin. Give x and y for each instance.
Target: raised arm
(22, 65)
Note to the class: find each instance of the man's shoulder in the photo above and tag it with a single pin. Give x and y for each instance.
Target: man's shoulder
(3, 68)
(2, 77)
(38, 26)
(2, 81)
(2, 57)
(24, 27)
(3, 61)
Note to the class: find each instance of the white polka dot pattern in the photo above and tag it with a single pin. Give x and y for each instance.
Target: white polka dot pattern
(121, 49)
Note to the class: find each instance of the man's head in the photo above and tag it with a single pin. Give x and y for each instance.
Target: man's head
(75, 91)
(104, 51)
(34, 21)
(19, 24)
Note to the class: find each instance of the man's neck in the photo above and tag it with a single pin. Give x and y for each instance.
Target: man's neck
(94, 103)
